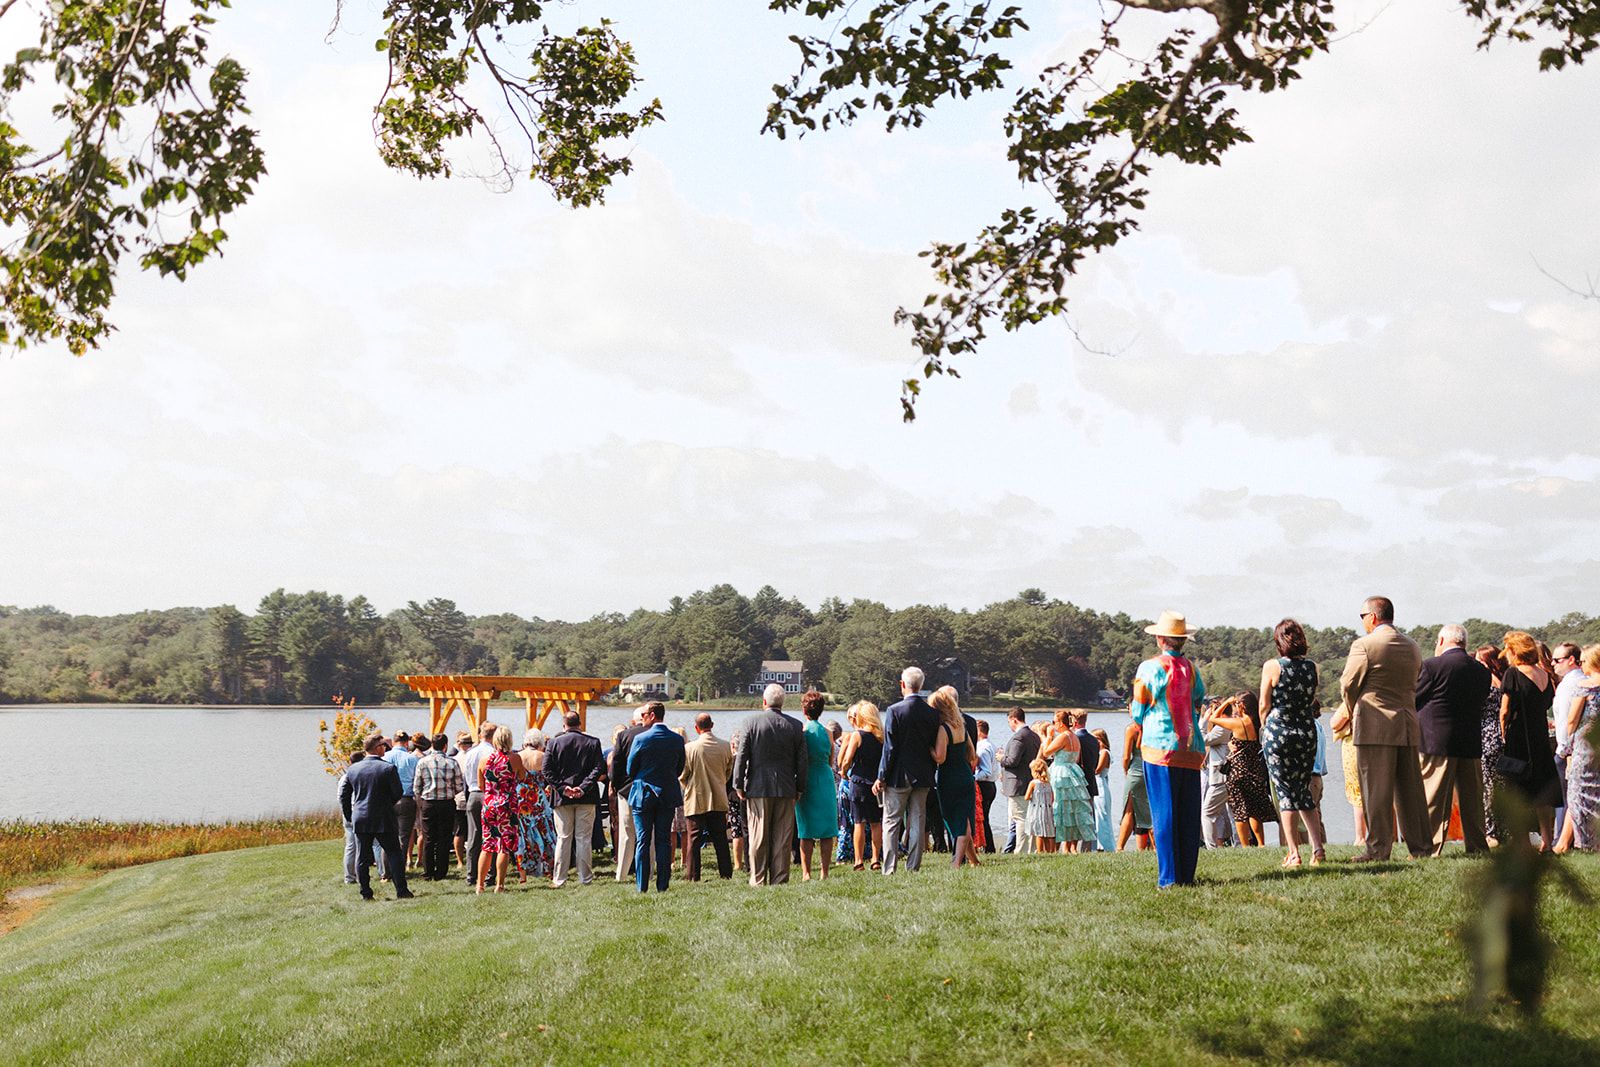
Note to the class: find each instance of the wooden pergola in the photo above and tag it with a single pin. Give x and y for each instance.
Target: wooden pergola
(472, 693)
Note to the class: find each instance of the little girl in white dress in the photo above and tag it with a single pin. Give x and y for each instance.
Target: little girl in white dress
(1041, 824)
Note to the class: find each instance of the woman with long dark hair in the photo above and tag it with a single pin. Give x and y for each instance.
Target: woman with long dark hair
(1289, 736)
(1489, 727)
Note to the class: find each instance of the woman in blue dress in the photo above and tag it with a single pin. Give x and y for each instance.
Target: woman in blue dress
(956, 754)
(1289, 737)
(816, 816)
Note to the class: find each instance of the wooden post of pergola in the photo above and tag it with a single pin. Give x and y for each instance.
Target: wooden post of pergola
(472, 693)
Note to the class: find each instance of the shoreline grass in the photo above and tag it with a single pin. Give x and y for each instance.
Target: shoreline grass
(37, 852)
(265, 956)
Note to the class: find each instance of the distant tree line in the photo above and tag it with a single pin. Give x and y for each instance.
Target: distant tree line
(307, 647)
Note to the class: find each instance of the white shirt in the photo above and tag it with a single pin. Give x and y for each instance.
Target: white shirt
(469, 763)
(1561, 703)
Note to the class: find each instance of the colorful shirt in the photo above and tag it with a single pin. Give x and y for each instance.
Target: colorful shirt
(1167, 693)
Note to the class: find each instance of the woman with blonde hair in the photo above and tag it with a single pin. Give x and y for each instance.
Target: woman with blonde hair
(498, 775)
(955, 752)
(1527, 763)
(1074, 814)
(859, 755)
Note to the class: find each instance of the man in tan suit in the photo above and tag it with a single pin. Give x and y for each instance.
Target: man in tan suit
(707, 763)
(1379, 696)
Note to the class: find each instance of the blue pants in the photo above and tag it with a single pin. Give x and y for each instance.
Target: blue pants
(1174, 794)
(652, 824)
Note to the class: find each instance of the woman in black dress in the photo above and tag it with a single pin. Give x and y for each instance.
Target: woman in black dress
(1527, 763)
(1249, 795)
(859, 755)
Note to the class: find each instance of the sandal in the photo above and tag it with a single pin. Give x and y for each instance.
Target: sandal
(1317, 856)
(859, 867)
(877, 866)
(1291, 860)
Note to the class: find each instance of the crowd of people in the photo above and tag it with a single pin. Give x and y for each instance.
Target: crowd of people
(1428, 743)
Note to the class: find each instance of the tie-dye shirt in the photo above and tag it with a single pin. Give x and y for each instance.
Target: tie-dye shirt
(1168, 711)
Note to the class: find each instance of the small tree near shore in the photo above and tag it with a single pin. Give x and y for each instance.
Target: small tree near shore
(349, 731)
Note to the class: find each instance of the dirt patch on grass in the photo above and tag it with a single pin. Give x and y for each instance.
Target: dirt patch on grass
(21, 903)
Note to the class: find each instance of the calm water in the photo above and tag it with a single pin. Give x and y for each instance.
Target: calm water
(220, 764)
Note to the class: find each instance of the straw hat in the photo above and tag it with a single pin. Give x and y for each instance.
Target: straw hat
(1171, 624)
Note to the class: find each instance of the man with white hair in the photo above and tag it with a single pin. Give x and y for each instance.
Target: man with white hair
(905, 771)
(769, 772)
(1451, 689)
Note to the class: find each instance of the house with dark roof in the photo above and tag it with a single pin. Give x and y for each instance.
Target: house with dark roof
(789, 673)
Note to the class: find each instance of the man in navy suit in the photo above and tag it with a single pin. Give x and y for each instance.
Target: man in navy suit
(367, 798)
(1451, 690)
(906, 770)
(655, 760)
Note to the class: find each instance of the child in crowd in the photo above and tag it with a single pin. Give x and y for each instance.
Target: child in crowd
(1041, 825)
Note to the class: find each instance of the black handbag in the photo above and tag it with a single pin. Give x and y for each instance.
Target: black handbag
(1510, 767)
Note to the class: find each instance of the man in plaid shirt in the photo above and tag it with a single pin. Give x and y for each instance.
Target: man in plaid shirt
(437, 783)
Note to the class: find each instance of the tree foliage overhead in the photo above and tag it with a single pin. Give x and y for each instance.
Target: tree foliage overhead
(144, 144)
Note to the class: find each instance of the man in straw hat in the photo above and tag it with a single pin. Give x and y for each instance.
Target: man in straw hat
(1167, 693)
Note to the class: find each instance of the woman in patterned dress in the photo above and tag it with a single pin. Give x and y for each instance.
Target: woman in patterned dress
(536, 856)
(736, 831)
(1289, 736)
(498, 775)
(1135, 801)
(1489, 727)
(1583, 763)
(1074, 813)
(1249, 795)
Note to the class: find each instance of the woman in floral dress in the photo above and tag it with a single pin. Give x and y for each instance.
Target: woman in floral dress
(1493, 742)
(1289, 736)
(498, 775)
(536, 856)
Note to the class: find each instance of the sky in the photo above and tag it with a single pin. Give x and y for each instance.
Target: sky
(1329, 368)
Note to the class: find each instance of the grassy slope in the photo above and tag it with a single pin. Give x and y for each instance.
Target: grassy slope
(264, 956)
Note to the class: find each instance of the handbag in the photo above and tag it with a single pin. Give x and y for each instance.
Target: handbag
(1510, 767)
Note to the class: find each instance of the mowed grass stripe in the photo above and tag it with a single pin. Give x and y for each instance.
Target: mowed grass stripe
(264, 956)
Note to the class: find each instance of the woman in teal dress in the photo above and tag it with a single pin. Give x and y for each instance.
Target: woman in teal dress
(956, 753)
(816, 816)
(1074, 811)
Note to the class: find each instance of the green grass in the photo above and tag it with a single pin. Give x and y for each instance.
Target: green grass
(264, 956)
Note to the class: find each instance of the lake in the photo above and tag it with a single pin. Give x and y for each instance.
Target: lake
(188, 764)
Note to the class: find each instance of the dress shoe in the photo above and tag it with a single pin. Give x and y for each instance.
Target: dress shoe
(1368, 857)
(407, 895)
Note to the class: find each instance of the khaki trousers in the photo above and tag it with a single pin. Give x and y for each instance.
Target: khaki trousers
(770, 824)
(1447, 777)
(1391, 780)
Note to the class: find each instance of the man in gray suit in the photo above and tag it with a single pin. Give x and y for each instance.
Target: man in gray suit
(1020, 751)
(1379, 694)
(769, 772)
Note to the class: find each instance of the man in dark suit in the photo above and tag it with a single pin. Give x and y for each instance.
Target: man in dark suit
(769, 772)
(620, 781)
(1088, 759)
(370, 791)
(905, 772)
(1451, 690)
(574, 764)
(655, 760)
(1020, 751)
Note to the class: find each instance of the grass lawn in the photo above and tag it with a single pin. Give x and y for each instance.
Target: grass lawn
(265, 956)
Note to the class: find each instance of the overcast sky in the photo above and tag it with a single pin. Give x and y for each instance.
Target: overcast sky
(1337, 370)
